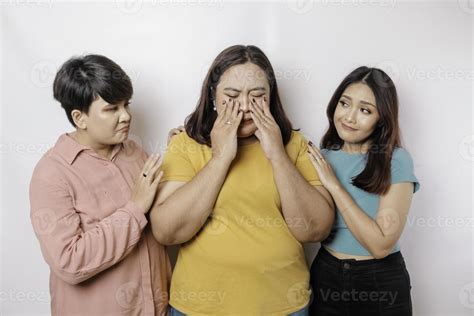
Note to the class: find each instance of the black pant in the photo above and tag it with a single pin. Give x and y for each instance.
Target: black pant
(360, 287)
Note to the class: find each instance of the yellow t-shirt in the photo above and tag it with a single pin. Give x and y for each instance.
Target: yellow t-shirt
(244, 261)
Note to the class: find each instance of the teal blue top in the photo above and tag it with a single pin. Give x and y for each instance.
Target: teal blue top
(347, 166)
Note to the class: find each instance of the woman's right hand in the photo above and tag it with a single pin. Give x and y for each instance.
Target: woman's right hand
(145, 188)
(224, 131)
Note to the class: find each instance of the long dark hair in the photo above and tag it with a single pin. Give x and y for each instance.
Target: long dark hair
(199, 123)
(375, 178)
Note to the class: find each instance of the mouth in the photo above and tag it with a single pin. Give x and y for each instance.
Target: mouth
(348, 127)
(124, 129)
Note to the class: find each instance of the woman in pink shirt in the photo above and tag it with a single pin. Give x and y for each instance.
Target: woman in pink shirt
(90, 195)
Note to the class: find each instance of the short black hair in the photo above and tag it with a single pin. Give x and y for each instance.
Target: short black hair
(81, 80)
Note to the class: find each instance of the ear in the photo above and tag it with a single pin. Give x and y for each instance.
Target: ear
(79, 119)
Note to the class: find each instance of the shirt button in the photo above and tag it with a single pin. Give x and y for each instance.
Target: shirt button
(346, 266)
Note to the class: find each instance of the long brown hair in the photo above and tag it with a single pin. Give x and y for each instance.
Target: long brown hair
(376, 177)
(199, 124)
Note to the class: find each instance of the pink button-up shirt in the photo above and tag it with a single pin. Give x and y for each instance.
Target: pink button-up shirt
(102, 255)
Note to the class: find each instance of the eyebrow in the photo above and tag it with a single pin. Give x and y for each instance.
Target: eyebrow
(237, 90)
(363, 102)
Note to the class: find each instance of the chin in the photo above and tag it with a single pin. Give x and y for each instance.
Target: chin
(246, 131)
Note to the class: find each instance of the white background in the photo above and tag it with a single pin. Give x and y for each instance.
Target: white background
(167, 46)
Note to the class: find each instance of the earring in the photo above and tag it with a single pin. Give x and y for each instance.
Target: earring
(214, 103)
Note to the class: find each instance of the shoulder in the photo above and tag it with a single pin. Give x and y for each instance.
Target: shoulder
(183, 143)
(297, 145)
(297, 137)
(297, 140)
(182, 138)
(401, 158)
(50, 168)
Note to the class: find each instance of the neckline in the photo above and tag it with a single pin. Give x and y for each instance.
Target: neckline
(348, 153)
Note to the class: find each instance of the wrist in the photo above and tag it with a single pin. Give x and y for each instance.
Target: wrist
(220, 161)
(336, 188)
(279, 158)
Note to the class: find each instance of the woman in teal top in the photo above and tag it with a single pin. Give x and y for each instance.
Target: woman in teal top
(359, 269)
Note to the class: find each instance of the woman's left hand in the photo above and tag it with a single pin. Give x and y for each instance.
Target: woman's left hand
(326, 173)
(175, 131)
(268, 132)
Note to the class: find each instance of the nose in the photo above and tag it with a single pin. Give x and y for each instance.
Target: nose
(245, 104)
(350, 115)
(125, 115)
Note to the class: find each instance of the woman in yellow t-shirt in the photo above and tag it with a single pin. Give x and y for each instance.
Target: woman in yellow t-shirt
(239, 194)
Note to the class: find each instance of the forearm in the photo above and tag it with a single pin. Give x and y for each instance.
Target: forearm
(364, 228)
(183, 213)
(306, 211)
(76, 255)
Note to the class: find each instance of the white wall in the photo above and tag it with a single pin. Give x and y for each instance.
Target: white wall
(167, 46)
